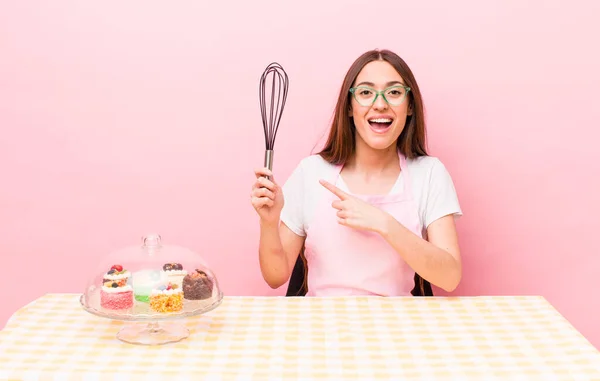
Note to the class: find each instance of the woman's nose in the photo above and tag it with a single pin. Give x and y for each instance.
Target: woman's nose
(380, 103)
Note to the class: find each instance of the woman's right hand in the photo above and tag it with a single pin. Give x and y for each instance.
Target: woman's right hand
(267, 197)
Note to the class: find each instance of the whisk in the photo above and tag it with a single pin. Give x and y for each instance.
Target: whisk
(271, 107)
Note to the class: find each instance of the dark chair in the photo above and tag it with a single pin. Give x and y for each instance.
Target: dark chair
(297, 285)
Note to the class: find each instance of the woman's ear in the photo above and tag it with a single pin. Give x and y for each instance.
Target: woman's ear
(410, 109)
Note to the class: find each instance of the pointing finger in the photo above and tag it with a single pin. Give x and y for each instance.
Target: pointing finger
(335, 190)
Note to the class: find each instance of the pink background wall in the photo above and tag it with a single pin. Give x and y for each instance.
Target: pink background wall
(114, 118)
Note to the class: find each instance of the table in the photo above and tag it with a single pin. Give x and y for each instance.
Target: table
(273, 338)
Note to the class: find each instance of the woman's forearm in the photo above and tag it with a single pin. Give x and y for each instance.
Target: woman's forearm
(273, 260)
(432, 263)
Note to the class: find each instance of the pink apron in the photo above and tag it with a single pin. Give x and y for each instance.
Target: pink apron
(344, 261)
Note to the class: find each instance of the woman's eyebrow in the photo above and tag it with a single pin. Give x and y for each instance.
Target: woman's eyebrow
(391, 83)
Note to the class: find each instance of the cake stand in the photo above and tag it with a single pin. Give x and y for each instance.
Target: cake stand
(148, 328)
(145, 326)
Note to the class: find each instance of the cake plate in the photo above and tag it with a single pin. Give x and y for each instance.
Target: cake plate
(144, 325)
(149, 328)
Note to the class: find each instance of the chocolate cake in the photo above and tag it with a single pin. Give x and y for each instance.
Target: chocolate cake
(197, 286)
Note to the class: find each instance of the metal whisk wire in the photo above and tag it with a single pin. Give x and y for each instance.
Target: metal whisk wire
(271, 116)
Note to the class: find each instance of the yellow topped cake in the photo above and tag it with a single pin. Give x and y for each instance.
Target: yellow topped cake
(167, 298)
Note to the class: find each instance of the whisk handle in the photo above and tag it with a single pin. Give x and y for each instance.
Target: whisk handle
(269, 159)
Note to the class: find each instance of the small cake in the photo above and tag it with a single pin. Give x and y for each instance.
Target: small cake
(175, 273)
(197, 286)
(144, 282)
(167, 298)
(116, 293)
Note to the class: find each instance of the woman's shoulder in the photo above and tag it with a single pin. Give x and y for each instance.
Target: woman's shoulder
(426, 164)
(308, 171)
(429, 169)
(315, 161)
(314, 165)
(434, 188)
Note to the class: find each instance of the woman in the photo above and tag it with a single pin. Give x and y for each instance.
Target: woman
(372, 211)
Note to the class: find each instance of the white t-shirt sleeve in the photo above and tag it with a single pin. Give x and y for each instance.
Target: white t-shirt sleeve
(441, 197)
(292, 213)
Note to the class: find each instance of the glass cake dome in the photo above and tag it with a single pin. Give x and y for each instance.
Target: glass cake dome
(151, 283)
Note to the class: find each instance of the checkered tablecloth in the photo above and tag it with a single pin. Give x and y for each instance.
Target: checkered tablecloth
(274, 338)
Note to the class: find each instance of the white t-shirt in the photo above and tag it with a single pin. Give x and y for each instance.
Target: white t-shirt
(432, 189)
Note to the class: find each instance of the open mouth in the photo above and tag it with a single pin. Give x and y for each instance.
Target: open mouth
(380, 124)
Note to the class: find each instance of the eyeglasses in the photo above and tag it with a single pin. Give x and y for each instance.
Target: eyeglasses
(393, 95)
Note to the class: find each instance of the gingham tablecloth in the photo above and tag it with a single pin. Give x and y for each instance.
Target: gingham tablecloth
(273, 338)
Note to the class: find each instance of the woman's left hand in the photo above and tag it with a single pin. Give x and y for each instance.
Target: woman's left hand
(355, 213)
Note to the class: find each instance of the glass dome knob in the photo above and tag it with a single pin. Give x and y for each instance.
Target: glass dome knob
(151, 240)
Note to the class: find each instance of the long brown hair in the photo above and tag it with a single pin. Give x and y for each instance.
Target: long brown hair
(340, 144)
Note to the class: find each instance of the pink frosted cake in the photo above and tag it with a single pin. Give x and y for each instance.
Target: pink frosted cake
(116, 294)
